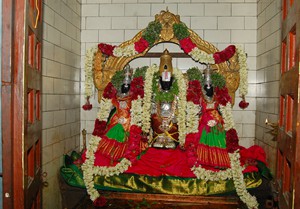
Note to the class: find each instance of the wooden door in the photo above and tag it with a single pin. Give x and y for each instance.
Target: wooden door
(21, 99)
(288, 152)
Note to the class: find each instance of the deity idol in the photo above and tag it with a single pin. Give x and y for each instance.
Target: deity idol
(164, 106)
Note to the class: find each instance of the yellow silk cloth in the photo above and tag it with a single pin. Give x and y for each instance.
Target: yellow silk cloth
(172, 185)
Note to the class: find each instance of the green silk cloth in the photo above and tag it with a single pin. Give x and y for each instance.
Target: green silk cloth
(214, 138)
(164, 184)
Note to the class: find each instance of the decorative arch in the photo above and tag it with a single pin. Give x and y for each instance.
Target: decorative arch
(105, 67)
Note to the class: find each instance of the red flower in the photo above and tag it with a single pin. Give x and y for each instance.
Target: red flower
(137, 87)
(87, 105)
(133, 150)
(109, 91)
(232, 140)
(222, 95)
(141, 45)
(100, 202)
(187, 45)
(194, 92)
(106, 49)
(243, 104)
(224, 55)
(99, 127)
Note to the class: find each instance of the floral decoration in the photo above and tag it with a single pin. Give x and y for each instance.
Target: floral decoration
(232, 140)
(99, 127)
(88, 67)
(187, 45)
(137, 87)
(243, 104)
(222, 95)
(87, 105)
(106, 49)
(194, 92)
(110, 91)
(239, 183)
(141, 45)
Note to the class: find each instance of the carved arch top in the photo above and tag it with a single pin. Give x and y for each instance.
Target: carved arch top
(104, 68)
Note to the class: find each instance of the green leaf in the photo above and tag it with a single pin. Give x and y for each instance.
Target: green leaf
(218, 80)
(117, 79)
(194, 73)
(181, 31)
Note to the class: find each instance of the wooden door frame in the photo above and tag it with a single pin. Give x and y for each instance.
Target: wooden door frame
(13, 43)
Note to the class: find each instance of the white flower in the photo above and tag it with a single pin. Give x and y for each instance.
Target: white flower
(226, 112)
(105, 108)
(88, 67)
(243, 86)
(200, 56)
(192, 117)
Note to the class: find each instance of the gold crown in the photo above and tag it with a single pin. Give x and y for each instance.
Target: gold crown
(166, 62)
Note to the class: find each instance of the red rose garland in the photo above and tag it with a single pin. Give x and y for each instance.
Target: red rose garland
(222, 95)
(141, 45)
(137, 87)
(99, 128)
(224, 55)
(106, 49)
(232, 140)
(194, 92)
(187, 45)
(109, 91)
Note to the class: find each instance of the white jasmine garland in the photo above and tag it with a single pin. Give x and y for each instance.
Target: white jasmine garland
(226, 112)
(126, 51)
(208, 175)
(88, 67)
(181, 118)
(192, 117)
(105, 108)
(136, 112)
(89, 170)
(243, 86)
(239, 183)
(146, 119)
(200, 56)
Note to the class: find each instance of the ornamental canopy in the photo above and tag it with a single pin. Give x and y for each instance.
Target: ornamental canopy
(106, 66)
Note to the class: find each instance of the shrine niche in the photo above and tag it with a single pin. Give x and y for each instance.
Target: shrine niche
(159, 131)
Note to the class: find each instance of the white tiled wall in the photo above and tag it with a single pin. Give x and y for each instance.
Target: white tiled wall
(268, 73)
(61, 90)
(221, 22)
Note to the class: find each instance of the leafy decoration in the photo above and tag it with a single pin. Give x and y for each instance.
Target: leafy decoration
(218, 80)
(140, 71)
(151, 33)
(181, 31)
(194, 73)
(117, 79)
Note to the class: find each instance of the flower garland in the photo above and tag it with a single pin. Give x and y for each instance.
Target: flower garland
(104, 110)
(235, 173)
(226, 112)
(243, 87)
(147, 98)
(90, 171)
(192, 117)
(239, 183)
(88, 67)
(182, 103)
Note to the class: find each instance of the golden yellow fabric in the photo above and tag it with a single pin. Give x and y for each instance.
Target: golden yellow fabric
(172, 185)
